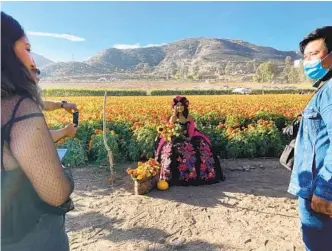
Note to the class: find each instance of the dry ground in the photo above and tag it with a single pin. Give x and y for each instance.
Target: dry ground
(249, 211)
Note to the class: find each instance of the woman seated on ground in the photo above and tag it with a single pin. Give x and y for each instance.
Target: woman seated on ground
(187, 160)
(35, 189)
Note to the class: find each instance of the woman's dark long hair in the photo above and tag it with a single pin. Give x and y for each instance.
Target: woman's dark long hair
(15, 77)
(185, 102)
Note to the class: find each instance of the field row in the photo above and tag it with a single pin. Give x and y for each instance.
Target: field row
(157, 110)
(53, 92)
(238, 126)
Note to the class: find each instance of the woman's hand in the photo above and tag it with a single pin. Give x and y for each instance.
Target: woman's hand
(70, 107)
(173, 120)
(70, 130)
(175, 113)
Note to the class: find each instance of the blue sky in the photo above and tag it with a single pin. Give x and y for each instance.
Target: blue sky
(101, 25)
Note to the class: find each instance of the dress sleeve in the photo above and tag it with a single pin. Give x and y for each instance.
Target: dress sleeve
(191, 128)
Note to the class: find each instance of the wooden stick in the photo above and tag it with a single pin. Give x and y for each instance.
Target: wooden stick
(109, 151)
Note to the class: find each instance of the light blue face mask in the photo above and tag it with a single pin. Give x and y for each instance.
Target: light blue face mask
(314, 68)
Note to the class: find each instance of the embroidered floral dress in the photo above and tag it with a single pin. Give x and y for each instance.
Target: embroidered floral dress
(189, 161)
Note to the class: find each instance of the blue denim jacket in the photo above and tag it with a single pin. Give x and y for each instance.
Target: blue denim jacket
(312, 171)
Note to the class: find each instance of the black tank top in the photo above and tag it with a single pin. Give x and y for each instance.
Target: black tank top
(21, 207)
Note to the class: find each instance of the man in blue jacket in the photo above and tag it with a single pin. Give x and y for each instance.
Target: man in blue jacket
(311, 178)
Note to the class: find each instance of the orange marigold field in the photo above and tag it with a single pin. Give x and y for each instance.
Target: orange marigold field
(157, 109)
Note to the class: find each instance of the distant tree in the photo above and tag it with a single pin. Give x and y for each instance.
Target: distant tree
(286, 71)
(169, 72)
(196, 76)
(302, 77)
(195, 69)
(239, 68)
(146, 68)
(250, 67)
(266, 72)
(181, 70)
(288, 61)
(256, 64)
(229, 68)
(185, 72)
(219, 71)
(190, 77)
(294, 75)
(139, 67)
(177, 75)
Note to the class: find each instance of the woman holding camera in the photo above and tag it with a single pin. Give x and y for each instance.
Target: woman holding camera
(35, 189)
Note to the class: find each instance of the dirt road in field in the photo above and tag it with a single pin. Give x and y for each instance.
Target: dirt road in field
(249, 211)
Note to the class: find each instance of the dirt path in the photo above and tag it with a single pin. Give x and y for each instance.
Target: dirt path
(249, 211)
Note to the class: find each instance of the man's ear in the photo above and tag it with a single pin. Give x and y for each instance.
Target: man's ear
(327, 62)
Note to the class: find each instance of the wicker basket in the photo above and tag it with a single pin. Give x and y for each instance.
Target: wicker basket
(145, 186)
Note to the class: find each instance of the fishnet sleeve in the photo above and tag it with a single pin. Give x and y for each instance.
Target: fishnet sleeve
(33, 148)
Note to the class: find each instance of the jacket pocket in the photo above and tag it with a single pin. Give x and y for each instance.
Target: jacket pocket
(311, 123)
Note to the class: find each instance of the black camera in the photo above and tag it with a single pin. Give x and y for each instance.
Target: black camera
(75, 118)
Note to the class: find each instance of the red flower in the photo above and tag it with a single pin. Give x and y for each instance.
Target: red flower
(178, 98)
(182, 167)
(203, 167)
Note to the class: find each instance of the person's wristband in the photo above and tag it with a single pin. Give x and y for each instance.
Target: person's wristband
(63, 102)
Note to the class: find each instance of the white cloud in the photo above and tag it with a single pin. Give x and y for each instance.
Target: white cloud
(127, 46)
(155, 45)
(64, 36)
(135, 46)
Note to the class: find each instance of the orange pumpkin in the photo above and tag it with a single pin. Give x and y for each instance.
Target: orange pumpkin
(162, 185)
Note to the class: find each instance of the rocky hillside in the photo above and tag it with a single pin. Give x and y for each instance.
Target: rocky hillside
(203, 56)
(41, 61)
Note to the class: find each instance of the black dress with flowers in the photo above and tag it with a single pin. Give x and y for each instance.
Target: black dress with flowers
(189, 161)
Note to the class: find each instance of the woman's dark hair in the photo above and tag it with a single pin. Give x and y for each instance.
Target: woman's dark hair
(184, 101)
(15, 78)
(320, 33)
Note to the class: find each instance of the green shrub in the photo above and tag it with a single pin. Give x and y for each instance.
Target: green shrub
(233, 138)
(76, 155)
(98, 152)
(218, 139)
(257, 140)
(145, 138)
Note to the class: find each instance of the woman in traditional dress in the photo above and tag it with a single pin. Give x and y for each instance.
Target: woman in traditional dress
(187, 160)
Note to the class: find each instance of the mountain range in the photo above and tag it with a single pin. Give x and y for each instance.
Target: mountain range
(40, 60)
(203, 56)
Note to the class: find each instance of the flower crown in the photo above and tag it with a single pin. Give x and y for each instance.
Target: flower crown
(178, 99)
